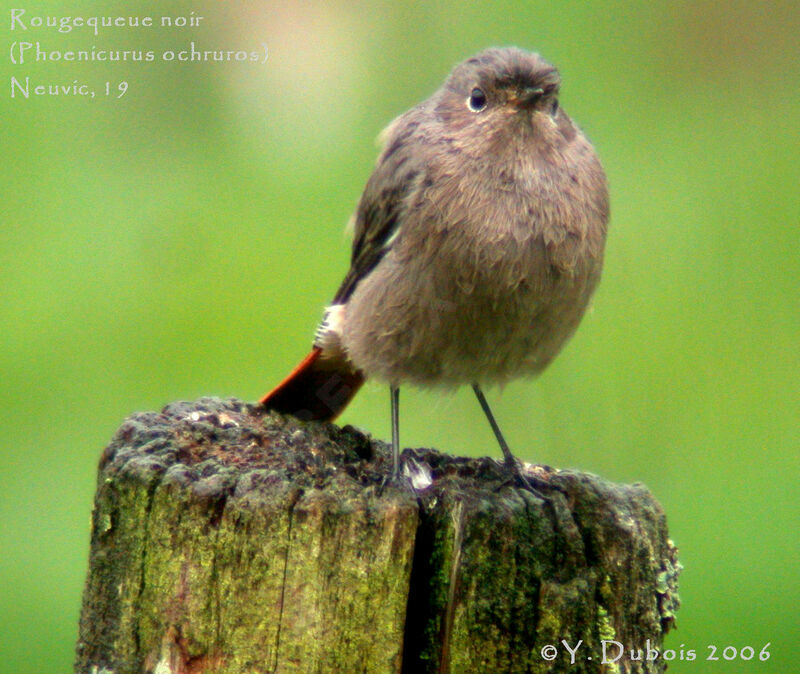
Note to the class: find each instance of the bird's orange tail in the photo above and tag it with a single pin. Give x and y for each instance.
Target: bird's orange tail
(317, 389)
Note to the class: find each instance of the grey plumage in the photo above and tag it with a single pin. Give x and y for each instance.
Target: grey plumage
(478, 242)
(498, 221)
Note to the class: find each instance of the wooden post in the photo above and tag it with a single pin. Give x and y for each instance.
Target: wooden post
(229, 540)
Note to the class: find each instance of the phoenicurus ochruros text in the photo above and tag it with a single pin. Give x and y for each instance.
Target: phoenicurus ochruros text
(478, 243)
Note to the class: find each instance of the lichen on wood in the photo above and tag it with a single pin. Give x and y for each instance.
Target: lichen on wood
(225, 539)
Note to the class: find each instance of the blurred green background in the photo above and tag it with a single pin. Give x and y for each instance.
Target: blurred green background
(181, 241)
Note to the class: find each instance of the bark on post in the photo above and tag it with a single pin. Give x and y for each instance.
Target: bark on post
(228, 540)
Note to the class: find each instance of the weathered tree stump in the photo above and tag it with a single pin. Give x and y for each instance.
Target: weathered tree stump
(225, 539)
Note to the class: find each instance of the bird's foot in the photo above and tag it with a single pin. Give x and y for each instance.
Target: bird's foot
(539, 486)
(396, 478)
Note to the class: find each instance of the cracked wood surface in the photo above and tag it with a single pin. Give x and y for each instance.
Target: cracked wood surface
(229, 540)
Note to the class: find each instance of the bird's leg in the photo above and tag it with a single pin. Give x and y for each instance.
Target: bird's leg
(397, 477)
(395, 395)
(512, 464)
(510, 459)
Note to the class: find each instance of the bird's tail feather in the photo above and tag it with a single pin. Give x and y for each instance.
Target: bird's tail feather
(319, 388)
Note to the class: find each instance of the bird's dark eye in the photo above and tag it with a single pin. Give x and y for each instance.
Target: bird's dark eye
(554, 107)
(476, 100)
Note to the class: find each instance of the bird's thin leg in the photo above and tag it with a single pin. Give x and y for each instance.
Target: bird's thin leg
(510, 459)
(395, 395)
(513, 466)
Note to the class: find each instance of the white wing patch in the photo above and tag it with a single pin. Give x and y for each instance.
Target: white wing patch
(329, 332)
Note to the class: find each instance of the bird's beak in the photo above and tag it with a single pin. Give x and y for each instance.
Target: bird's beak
(526, 97)
(531, 94)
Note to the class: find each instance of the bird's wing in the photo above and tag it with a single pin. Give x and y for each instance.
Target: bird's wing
(382, 207)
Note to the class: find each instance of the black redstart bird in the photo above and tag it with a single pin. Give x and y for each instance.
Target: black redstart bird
(478, 243)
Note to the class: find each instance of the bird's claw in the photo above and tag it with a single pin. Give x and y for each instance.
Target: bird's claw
(531, 483)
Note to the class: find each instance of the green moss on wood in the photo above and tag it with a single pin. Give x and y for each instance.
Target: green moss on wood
(226, 540)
